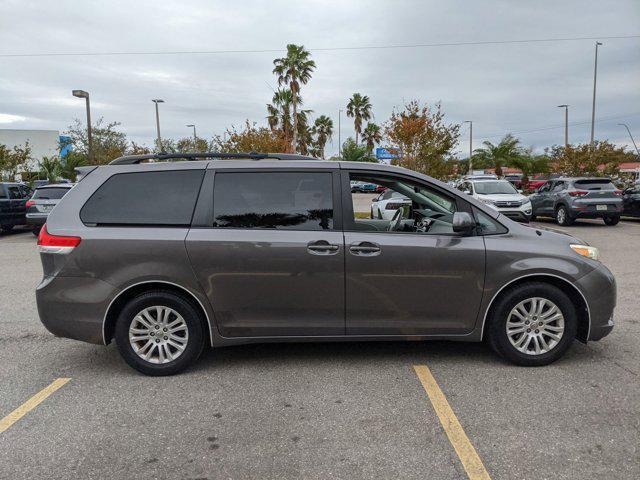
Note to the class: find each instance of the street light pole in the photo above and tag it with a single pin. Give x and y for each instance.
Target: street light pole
(593, 106)
(85, 95)
(566, 125)
(339, 137)
(195, 138)
(157, 101)
(470, 145)
(631, 136)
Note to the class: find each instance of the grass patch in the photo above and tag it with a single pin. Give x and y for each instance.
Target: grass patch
(362, 215)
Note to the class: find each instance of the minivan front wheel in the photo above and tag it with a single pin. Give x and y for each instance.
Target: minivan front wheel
(159, 333)
(532, 324)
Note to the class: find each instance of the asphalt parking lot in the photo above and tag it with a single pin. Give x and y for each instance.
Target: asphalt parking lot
(320, 410)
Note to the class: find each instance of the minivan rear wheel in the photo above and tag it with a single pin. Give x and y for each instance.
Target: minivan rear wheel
(159, 333)
(532, 324)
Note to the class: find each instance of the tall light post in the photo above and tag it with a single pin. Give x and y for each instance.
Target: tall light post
(195, 138)
(566, 125)
(85, 95)
(339, 137)
(593, 106)
(470, 122)
(157, 101)
(631, 136)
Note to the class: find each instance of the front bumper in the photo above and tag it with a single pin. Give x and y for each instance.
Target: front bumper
(599, 289)
(520, 214)
(74, 307)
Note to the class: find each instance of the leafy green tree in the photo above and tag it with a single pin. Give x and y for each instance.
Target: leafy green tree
(14, 160)
(69, 163)
(294, 70)
(424, 140)
(352, 152)
(498, 155)
(581, 160)
(530, 164)
(372, 135)
(323, 131)
(107, 143)
(359, 108)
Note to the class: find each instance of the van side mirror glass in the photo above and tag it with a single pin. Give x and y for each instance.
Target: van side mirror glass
(463, 223)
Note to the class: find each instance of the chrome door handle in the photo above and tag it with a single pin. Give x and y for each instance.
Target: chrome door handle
(364, 249)
(322, 247)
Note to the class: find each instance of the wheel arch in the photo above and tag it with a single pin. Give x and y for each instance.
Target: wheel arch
(575, 295)
(120, 300)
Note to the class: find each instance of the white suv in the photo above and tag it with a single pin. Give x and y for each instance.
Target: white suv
(501, 195)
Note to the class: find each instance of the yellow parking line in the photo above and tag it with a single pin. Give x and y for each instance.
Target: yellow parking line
(467, 454)
(32, 403)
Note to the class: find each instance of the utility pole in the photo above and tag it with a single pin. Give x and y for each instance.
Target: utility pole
(470, 122)
(339, 137)
(566, 125)
(631, 136)
(85, 95)
(157, 101)
(195, 138)
(593, 106)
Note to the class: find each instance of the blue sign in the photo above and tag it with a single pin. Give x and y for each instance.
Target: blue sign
(387, 153)
(65, 143)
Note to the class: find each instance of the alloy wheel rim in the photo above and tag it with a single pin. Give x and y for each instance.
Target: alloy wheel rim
(561, 215)
(158, 334)
(535, 326)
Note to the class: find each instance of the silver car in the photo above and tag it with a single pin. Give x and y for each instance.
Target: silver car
(165, 258)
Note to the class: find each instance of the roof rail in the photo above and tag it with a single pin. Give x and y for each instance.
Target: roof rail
(134, 159)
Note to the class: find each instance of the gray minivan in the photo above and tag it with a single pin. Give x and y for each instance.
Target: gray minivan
(166, 257)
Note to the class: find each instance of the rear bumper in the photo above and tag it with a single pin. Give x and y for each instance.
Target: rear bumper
(599, 288)
(591, 211)
(74, 307)
(36, 219)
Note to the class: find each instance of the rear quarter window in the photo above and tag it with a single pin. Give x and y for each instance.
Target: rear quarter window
(164, 198)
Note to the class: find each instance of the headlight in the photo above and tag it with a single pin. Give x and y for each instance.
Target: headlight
(586, 251)
(526, 201)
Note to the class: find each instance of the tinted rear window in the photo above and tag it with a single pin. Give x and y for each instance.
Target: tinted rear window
(145, 198)
(289, 201)
(595, 184)
(50, 193)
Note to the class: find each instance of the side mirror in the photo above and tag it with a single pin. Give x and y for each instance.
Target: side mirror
(519, 191)
(463, 223)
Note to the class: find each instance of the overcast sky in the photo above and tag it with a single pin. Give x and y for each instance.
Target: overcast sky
(502, 88)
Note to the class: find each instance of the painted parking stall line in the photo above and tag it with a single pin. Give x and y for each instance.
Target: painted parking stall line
(32, 403)
(466, 453)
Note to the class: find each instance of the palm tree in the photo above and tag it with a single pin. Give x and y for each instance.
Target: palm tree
(293, 70)
(323, 128)
(372, 134)
(279, 112)
(50, 168)
(498, 155)
(359, 108)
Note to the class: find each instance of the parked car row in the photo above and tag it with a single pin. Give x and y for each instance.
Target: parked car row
(19, 205)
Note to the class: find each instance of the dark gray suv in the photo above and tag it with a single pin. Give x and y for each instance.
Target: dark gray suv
(167, 257)
(567, 199)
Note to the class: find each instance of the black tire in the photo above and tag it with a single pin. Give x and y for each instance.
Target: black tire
(6, 228)
(611, 221)
(562, 216)
(371, 213)
(496, 328)
(180, 304)
(380, 217)
(532, 218)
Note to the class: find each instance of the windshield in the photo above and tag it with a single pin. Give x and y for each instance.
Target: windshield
(494, 188)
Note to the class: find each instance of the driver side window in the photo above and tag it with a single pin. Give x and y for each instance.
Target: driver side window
(406, 206)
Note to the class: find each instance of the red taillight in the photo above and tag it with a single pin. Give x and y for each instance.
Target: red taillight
(48, 243)
(29, 203)
(618, 193)
(578, 193)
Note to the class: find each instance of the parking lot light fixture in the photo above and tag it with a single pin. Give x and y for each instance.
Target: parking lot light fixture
(631, 137)
(470, 122)
(85, 95)
(566, 124)
(195, 138)
(157, 101)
